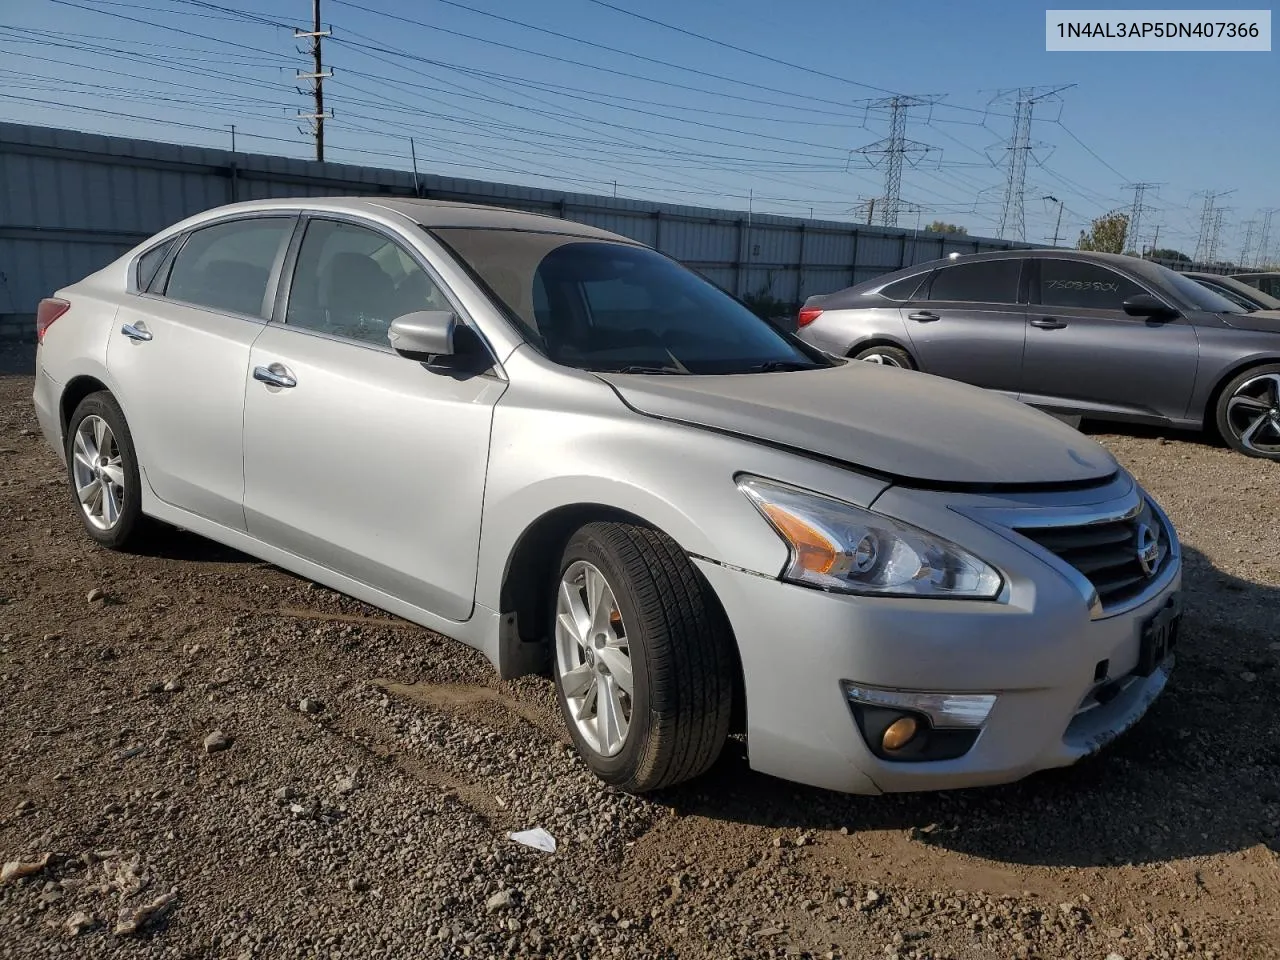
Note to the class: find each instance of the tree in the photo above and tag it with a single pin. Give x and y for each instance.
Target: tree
(1168, 253)
(941, 226)
(1106, 233)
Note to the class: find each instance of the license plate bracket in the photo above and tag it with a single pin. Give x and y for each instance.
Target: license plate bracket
(1159, 637)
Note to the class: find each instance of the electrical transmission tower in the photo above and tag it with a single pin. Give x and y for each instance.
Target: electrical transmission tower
(317, 77)
(1215, 233)
(1019, 146)
(894, 149)
(1134, 238)
(1210, 225)
(1250, 226)
(1264, 240)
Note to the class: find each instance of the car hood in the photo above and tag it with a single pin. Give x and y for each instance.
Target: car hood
(902, 424)
(1264, 321)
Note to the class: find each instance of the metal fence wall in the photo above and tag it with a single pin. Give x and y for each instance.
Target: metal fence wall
(71, 202)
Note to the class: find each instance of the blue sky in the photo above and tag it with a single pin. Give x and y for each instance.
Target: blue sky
(707, 125)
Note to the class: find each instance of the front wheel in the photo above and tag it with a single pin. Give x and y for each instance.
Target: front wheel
(1248, 412)
(644, 659)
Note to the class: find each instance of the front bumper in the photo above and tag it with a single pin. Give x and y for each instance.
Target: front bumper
(1039, 651)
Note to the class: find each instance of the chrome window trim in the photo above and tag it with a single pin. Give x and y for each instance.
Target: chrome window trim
(284, 287)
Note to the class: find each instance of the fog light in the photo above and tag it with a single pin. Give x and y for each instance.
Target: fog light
(899, 733)
(946, 710)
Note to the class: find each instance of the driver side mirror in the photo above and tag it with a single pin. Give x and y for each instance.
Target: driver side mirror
(1145, 305)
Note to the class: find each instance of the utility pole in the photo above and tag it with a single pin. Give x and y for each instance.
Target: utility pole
(895, 148)
(1019, 145)
(317, 77)
(413, 155)
(233, 138)
(1135, 213)
(1057, 229)
(1155, 239)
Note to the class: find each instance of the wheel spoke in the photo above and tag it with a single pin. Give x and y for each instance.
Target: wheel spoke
(100, 434)
(1244, 402)
(619, 665)
(86, 446)
(93, 506)
(114, 471)
(1248, 436)
(86, 492)
(110, 510)
(570, 627)
(578, 681)
(608, 718)
(619, 712)
(571, 603)
(595, 589)
(603, 612)
(589, 699)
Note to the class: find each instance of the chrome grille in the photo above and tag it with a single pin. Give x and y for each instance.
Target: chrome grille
(1108, 552)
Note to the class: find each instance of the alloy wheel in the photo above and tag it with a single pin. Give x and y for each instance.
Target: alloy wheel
(593, 658)
(883, 359)
(1253, 414)
(98, 471)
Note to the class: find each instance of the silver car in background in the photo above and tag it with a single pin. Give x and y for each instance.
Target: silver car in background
(560, 447)
(1083, 334)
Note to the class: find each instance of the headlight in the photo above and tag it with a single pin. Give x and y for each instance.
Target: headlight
(837, 546)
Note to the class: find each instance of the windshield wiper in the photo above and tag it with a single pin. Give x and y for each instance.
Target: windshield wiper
(641, 368)
(774, 366)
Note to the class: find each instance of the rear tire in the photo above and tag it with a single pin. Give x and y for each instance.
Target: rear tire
(102, 469)
(1248, 412)
(657, 627)
(887, 356)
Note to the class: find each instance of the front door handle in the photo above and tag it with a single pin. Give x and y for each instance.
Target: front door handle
(923, 316)
(1048, 323)
(275, 375)
(138, 332)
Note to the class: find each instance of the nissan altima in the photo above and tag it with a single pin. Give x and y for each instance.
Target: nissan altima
(560, 447)
(1084, 334)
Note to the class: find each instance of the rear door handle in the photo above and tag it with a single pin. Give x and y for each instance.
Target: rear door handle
(139, 332)
(1048, 323)
(923, 316)
(275, 375)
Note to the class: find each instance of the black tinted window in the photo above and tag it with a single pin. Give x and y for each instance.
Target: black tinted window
(988, 281)
(604, 305)
(905, 288)
(150, 262)
(227, 266)
(1078, 283)
(350, 281)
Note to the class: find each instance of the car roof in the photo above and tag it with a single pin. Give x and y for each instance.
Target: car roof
(432, 214)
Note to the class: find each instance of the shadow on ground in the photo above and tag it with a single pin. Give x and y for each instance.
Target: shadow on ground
(1200, 774)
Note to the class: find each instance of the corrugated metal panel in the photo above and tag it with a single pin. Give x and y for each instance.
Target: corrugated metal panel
(71, 202)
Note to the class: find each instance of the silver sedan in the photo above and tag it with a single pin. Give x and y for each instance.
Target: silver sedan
(564, 449)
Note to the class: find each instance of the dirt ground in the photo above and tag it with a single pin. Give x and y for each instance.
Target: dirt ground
(372, 770)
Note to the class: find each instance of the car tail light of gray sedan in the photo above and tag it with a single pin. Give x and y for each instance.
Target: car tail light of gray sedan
(562, 448)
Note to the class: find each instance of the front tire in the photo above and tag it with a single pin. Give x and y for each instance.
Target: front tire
(643, 658)
(1248, 412)
(102, 468)
(886, 356)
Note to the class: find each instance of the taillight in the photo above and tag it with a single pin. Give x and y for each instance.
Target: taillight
(50, 309)
(808, 315)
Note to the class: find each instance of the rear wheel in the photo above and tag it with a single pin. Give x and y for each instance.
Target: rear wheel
(887, 356)
(1248, 412)
(643, 661)
(103, 471)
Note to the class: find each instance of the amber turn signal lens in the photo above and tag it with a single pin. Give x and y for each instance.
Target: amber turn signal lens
(899, 733)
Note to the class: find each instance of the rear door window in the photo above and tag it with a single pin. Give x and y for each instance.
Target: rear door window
(987, 281)
(148, 264)
(228, 266)
(904, 289)
(1080, 284)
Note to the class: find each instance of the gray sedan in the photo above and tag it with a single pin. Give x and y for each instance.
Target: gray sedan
(566, 450)
(1084, 334)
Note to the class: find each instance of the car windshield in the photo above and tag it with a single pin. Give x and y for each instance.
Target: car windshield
(617, 307)
(1200, 297)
